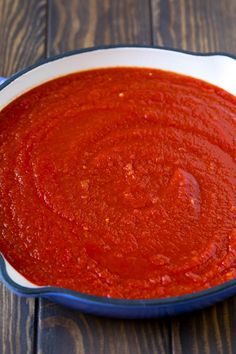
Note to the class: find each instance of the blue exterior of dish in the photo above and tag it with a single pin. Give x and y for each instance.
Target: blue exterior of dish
(118, 307)
(2, 79)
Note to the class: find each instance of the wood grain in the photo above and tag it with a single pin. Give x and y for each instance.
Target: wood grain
(207, 331)
(22, 42)
(65, 331)
(76, 23)
(203, 25)
(22, 34)
(17, 317)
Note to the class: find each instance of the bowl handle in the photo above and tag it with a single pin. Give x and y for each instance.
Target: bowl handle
(2, 79)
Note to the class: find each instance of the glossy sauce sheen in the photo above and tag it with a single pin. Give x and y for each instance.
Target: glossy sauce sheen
(120, 182)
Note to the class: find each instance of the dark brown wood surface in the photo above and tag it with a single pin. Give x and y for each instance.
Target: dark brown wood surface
(30, 30)
(195, 25)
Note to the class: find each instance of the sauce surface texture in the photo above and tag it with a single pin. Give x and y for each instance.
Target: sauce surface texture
(120, 182)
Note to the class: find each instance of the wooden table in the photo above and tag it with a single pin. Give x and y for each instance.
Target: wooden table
(34, 29)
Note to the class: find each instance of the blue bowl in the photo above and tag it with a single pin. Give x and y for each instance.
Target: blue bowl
(216, 68)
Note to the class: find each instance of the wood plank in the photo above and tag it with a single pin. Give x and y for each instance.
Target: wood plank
(66, 331)
(22, 34)
(17, 317)
(199, 26)
(75, 24)
(22, 42)
(206, 331)
(195, 25)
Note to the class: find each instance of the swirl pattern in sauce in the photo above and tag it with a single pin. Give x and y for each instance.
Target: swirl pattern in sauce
(120, 182)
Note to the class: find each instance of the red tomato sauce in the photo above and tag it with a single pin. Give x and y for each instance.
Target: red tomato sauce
(120, 182)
